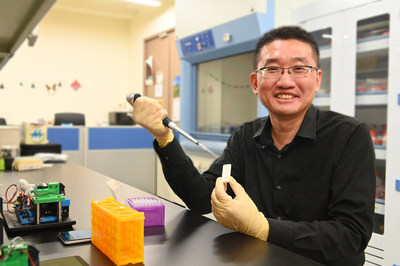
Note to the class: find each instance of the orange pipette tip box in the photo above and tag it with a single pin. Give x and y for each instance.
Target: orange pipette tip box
(118, 231)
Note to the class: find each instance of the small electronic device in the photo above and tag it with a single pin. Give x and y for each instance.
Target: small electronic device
(39, 203)
(75, 237)
(35, 206)
(18, 252)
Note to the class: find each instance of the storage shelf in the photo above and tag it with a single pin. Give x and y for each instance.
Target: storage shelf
(380, 154)
(372, 98)
(325, 52)
(322, 99)
(380, 72)
(373, 45)
(380, 208)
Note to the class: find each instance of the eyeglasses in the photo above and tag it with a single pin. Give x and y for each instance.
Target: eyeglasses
(272, 72)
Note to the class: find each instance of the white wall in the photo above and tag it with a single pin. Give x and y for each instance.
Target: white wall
(104, 54)
(142, 27)
(195, 16)
(284, 9)
(90, 49)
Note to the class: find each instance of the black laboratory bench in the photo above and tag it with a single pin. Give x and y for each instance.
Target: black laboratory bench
(187, 238)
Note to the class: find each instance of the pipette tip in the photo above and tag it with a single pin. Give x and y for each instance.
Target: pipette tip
(208, 150)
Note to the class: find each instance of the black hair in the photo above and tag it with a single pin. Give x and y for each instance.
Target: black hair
(286, 33)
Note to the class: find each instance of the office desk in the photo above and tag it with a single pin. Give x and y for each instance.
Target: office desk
(186, 239)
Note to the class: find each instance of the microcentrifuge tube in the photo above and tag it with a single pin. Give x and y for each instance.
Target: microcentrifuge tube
(226, 172)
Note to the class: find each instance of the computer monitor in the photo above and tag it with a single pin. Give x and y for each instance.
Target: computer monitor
(76, 119)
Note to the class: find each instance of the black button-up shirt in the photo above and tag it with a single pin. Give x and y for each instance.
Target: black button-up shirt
(317, 193)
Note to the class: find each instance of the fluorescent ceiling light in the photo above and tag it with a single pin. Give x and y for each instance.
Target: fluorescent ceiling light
(145, 2)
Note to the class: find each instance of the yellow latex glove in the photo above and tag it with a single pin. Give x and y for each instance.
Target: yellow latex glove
(149, 114)
(240, 214)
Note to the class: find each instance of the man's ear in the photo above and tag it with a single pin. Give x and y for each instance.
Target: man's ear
(318, 80)
(254, 82)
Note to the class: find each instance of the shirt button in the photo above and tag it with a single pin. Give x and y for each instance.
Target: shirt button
(279, 218)
(279, 155)
(166, 158)
(278, 187)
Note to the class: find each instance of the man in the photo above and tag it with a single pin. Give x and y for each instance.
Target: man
(301, 178)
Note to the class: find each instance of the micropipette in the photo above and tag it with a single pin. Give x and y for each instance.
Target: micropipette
(131, 98)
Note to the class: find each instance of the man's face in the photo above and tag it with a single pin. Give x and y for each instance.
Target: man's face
(286, 96)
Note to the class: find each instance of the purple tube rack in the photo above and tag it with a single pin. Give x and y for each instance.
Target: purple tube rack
(154, 210)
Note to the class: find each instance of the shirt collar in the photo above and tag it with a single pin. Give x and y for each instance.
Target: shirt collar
(263, 134)
(308, 128)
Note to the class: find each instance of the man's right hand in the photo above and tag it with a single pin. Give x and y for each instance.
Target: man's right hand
(149, 114)
(240, 214)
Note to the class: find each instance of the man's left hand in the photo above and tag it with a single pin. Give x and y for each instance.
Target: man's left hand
(239, 214)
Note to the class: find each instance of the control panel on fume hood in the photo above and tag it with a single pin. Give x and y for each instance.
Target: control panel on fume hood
(197, 43)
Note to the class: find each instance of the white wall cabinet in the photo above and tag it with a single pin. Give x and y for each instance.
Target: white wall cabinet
(360, 52)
